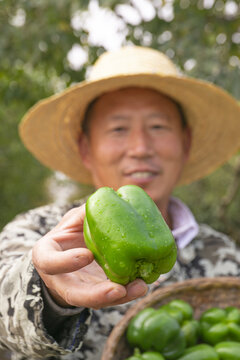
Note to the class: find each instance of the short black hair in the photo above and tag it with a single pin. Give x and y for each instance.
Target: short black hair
(88, 113)
(87, 117)
(183, 118)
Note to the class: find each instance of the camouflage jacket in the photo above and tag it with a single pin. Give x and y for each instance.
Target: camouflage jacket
(78, 334)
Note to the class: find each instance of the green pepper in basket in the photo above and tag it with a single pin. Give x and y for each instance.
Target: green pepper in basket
(128, 235)
(179, 308)
(191, 330)
(148, 355)
(156, 330)
(200, 352)
(220, 325)
(228, 350)
(183, 313)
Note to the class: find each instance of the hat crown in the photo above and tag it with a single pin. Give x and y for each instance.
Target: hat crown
(132, 60)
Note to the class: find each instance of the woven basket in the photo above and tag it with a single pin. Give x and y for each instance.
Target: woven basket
(201, 293)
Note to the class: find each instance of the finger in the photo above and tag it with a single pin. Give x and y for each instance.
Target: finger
(66, 240)
(73, 220)
(93, 296)
(51, 261)
(136, 289)
(98, 295)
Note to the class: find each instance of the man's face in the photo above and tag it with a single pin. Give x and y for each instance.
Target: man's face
(136, 137)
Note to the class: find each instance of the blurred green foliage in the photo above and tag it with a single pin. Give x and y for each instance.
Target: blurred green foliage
(201, 36)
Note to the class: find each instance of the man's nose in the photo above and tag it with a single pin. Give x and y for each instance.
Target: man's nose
(140, 144)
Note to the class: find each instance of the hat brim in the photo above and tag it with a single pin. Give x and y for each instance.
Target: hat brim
(50, 130)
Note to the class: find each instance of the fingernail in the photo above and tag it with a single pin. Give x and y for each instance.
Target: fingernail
(138, 290)
(82, 260)
(116, 294)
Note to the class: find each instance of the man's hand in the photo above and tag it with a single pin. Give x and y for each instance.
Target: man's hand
(70, 272)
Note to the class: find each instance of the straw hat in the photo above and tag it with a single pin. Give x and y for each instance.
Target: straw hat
(50, 130)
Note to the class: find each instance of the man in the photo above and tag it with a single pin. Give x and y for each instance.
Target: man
(136, 121)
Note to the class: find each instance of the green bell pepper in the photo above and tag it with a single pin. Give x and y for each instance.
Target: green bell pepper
(183, 313)
(148, 355)
(228, 350)
(128, 235)
(191, 330)
(179, 305)
(156, 330)
(199, 352)
(218, 325)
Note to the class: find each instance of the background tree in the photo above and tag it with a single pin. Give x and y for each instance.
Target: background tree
(46, 46)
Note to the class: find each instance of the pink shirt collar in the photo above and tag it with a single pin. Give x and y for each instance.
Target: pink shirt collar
(185, 227)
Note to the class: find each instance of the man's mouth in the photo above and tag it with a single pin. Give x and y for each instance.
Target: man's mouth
(142, 174)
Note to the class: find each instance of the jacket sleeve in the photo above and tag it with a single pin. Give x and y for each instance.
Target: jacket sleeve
(22, 329)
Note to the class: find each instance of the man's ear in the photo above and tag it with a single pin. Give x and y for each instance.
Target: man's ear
(84, 150)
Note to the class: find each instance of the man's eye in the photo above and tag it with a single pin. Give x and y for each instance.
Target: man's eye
(157, 126)
(119, 129)
(160, 127)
